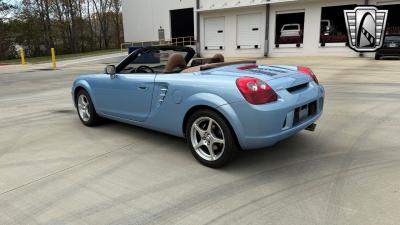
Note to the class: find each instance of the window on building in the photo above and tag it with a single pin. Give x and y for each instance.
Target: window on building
(289, 28)
(333, 25)
(393, 20)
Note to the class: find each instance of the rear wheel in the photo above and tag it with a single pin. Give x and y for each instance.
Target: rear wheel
(210, 139)
(86, 112)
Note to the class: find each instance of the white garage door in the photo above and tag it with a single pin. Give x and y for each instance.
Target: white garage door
(248, 30)
(214, 36)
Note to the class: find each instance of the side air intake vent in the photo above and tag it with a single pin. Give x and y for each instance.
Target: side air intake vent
(163, 93)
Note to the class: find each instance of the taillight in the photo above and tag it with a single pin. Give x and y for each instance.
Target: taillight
(308, 72)
(256, 91)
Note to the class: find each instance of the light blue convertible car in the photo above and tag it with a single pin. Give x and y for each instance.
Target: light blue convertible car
(219, 107)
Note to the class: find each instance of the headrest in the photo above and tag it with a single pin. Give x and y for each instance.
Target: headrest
(175, 60)
(218, 58)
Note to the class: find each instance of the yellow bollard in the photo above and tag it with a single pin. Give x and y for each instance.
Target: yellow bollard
(53, 58)
(22, 54)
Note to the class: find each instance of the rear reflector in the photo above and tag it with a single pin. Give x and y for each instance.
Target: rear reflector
(308, 72)
(256, 91)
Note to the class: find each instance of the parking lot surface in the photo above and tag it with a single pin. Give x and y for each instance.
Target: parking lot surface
(53, 170)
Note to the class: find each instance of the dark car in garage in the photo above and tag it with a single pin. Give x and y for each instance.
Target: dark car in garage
(390, 48)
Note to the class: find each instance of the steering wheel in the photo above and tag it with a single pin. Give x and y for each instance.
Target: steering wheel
(144, 69)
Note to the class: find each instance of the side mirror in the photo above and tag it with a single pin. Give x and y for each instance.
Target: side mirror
(110, 69)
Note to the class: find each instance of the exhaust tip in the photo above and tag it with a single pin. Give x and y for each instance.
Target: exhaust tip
(312, 127)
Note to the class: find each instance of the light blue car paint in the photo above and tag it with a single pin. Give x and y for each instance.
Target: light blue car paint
(161, 102)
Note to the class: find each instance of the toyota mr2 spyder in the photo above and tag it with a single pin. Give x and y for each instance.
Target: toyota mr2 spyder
(218, 107)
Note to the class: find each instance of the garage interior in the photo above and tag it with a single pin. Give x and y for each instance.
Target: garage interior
(338, 32)
(288, 18)
(182, 26)
(393, 20)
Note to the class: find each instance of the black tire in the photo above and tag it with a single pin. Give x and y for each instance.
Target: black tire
(219, 128)
(377, 57)
(93, 119)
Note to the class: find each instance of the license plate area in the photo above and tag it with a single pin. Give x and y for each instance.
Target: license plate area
(303, 112)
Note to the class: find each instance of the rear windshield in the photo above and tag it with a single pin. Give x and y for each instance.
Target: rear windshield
(291, 27)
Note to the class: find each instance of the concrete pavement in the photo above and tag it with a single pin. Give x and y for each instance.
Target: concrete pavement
(53, 170)
(88, 60)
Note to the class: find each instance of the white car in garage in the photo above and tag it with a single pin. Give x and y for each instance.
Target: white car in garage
(291, 30)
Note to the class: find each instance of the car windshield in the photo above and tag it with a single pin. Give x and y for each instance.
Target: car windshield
(291, 27)
(154, 59)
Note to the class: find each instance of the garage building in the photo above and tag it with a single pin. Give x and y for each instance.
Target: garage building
(249, 28)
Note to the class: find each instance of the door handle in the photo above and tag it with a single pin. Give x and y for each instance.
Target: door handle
(143, 88)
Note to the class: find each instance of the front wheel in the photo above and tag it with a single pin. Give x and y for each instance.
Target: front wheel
(210, 139)
(86, 112)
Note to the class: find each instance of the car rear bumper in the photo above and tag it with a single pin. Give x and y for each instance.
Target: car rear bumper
(256, 142)
(259, 126)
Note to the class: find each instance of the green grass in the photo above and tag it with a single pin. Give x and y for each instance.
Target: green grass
(44, 59)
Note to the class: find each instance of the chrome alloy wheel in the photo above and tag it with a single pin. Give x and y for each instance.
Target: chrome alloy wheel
(83, 108)
(207, 138)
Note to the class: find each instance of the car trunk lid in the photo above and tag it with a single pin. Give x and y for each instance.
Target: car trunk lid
(277, 76)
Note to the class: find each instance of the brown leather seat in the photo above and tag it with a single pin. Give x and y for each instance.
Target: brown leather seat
(175, 60)
(217, 58)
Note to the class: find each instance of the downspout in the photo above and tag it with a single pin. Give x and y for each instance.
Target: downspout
(266, 44)
(198, 28)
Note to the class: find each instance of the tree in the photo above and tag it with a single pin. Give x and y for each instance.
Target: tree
(68, 25)
(102, 7)
(116, 8)
(6, 43)
(4, 8)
